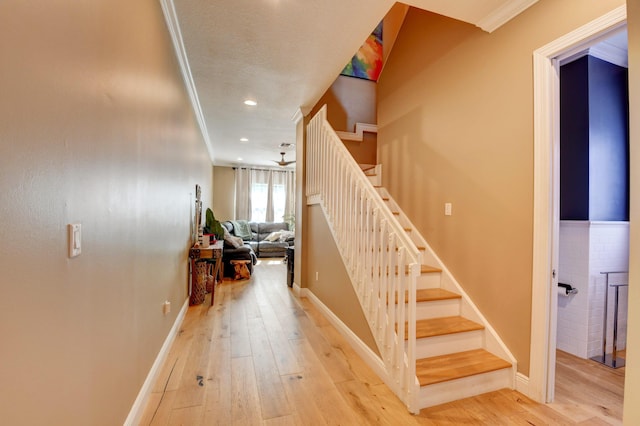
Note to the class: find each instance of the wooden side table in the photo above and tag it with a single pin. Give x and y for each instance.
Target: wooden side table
(202, 254)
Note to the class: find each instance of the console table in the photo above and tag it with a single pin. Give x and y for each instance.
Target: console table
(199, 257)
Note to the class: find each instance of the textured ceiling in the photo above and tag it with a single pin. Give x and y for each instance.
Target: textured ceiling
(284, 54)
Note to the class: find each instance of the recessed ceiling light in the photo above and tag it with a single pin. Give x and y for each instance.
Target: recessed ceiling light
(244, 140)
(239, 158)
(250, 102)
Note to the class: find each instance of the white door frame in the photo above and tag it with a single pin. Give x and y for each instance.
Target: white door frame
(541, 382)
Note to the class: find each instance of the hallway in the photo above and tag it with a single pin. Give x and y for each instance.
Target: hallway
(260, 356)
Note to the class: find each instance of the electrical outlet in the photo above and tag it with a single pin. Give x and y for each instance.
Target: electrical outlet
(447, 209)
(166, 307)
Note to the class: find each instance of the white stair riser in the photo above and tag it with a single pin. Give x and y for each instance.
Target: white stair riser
(437, 309)
(449, 343)
(375, 180)
(466, 387)
(430, 280)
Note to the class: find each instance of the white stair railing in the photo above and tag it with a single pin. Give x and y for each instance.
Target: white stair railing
(382, 261)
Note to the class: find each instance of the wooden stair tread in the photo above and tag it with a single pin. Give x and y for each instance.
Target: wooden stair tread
(441, 326)
(431, 295)
(424, 269)
(443, 368)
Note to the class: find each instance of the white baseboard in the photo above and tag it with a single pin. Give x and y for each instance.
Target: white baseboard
(522, 384)
(141, 401)
(299, 291)
(364, 351)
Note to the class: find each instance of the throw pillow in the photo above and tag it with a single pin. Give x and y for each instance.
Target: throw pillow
(231, 240)
(274, 236)
(237, 242)
(286, 236)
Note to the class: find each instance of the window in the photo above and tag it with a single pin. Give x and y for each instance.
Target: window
(264, 195)
(259, 202)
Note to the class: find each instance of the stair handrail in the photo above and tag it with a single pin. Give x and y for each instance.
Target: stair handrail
(381, 259)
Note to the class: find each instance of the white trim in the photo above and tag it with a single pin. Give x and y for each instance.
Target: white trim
(300, 113)
(313, 199)
(359, 133)
(299, 291)
(171, 17)
(504, 14)
(546, 131)
(605, 51)
(143, 396)
(364, 351)
(522, 383)
(610, 53)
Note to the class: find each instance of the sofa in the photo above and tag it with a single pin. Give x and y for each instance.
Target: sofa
(235, 249)
(266, 239)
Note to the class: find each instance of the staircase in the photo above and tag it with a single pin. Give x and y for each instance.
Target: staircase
(435, 344)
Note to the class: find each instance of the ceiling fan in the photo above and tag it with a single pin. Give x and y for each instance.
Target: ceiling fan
(282, 162)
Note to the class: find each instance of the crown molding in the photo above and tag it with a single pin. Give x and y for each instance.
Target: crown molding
(300, 114)
(504, 14)
(171, 18)
(610, 53)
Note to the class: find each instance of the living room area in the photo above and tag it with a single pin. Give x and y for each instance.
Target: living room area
(256, 208)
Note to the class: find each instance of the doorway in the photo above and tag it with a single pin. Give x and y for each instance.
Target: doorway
(593, 239)
(541, 381)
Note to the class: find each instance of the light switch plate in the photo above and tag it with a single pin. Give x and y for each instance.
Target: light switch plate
(447, 209)
(75, 239)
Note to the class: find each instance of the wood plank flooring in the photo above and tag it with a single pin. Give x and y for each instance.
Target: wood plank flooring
(587, 391)
(260, 356)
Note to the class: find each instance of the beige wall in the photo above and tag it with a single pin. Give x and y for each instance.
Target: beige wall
(349, 101)
(455, 117)
(224, 193)
(95, 128)
(333, 286)
(391, 27)
(632, 377)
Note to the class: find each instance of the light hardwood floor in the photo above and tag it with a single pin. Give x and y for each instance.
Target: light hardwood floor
(260, 356)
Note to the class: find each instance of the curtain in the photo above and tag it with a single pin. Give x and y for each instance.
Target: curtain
(265, 195)
(290, 201)
(261, 196)
(243, 193)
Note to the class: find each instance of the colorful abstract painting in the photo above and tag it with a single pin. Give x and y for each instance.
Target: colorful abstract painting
(367, 63)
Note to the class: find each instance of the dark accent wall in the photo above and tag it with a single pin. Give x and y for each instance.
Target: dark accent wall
(574, 140)
(594, 141)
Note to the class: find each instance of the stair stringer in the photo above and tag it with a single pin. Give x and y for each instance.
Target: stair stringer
(492, 341)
